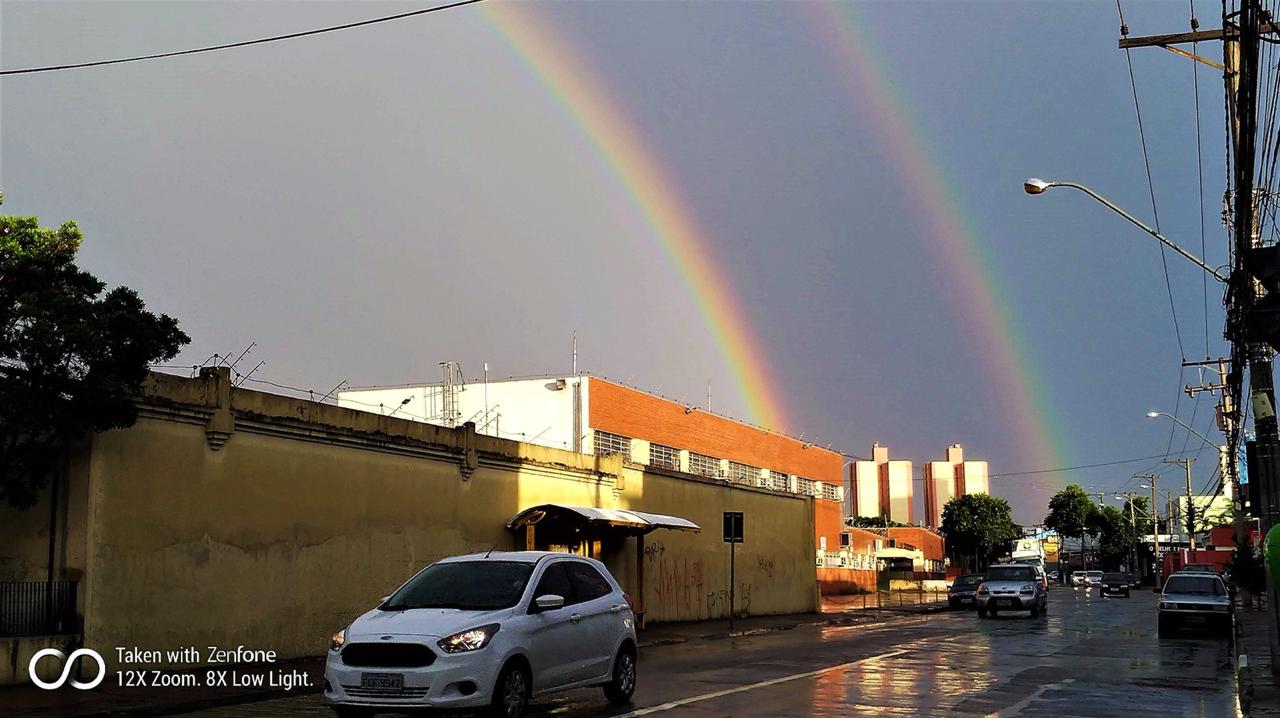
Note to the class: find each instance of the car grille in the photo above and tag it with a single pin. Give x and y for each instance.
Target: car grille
(387, 655)
(1192, 606)
(358, 692)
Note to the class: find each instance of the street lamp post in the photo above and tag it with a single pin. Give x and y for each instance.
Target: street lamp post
(1039, 186)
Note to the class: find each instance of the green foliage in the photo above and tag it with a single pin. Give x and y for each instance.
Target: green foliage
(875, 522)
(1069, 512)
(1141, 514)
(978, 526)
(1115, 536)
(72, 354)
(1247, 570)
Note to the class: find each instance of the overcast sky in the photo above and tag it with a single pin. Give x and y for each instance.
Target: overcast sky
(368, 203)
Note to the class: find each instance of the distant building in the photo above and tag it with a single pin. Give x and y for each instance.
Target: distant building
(945, 480)
(593, 415)
(880, 487)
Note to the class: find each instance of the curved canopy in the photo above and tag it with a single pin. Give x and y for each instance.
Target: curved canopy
(637, 522)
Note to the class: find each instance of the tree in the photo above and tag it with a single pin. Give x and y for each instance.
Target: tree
(1115, 536)
(978, 526)
(874, 522)
(1141, 514)
(1069, 512)
(72, 354)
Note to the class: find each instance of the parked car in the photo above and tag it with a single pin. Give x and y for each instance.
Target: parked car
(963, 590)
(1078, 578)
(1134, 581)
(1114, 584)
(1093, 578)
(487, 631)
(1194, 600)
(1200, 568)
(1011, 587)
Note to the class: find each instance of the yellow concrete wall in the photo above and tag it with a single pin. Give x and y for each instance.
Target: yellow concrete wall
(294, 527)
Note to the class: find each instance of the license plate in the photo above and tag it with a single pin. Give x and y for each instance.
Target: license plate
(1004, 602)
(384, 681)
(966, 600)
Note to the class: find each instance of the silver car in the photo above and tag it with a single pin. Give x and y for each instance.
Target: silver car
(1194, 600)
(1012, 587)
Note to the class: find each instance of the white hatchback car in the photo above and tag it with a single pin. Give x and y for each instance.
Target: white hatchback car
(487, 630)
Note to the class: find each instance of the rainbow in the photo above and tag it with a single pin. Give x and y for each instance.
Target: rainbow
(866, 80)
(672, 223)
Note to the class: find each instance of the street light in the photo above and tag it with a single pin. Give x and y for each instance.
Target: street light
(1036, 185)
(1179, 422)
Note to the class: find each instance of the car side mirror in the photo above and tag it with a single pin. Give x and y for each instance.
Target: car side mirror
(548, 602)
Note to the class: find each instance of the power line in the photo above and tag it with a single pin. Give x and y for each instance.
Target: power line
(1085, 466)
(244, 43)
(1195, 84)
(1146, 160)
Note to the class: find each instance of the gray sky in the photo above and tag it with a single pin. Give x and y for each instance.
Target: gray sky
(368, 203)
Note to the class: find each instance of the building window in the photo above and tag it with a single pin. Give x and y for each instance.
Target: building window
(808, 487)
(846, 539)
(608, 444)
(778, 481)
(830, 492)
(743, 474)
(703, 464)
(665, 457)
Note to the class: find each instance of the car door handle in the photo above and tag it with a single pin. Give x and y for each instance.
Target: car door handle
(615, 609)
(575, 618)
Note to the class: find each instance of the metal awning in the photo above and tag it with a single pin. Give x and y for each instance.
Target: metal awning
(637, 522)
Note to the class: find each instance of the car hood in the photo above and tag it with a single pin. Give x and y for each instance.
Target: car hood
(964, 589)
(434, 622)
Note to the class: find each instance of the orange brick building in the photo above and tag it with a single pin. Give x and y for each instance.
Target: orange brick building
(594, 415)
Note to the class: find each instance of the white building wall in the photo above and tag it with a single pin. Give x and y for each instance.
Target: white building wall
(976, 479)
(940, 487)
(538, 411)
(865, 476)
(901, 493)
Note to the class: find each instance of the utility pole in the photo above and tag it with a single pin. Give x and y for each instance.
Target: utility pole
(1250, 344)
(1191, 508)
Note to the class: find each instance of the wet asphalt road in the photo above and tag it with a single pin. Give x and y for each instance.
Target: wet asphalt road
(1089, 657)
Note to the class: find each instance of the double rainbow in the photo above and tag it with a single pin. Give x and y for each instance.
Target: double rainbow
(676, 228)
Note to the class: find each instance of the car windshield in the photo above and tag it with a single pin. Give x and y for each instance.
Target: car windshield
(1114, 577)
(1197, 585)
(1094, 574)
(468, 585)
(1010, 573)
(968, 581)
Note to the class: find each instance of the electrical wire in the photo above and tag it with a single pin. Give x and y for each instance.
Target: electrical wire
(244, 43)
(1195, 84)
(1146, 160)
(1082, 466)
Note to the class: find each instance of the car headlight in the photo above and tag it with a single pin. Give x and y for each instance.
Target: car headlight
(338, 640)
(1028, 588)
(1165, 606)
(472, 639)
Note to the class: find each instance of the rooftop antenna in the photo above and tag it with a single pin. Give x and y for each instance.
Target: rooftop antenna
(708, 396)
(575, 352)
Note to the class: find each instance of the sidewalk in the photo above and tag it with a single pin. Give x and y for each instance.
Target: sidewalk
(112, 701)
(1259, 691)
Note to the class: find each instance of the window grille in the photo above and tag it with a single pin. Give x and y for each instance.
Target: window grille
(703, 464)
(608, 444)
(778, 481)
(665, 457)
(743, 474)
(808, 487)
(830, 492)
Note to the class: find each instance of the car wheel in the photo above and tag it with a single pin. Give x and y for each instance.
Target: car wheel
(619, 688)
(510, 692)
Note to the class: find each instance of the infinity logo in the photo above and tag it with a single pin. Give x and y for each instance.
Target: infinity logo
(66, 669)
